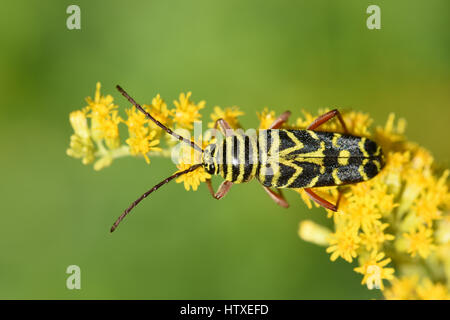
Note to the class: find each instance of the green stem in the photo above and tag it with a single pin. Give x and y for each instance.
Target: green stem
(119, 152)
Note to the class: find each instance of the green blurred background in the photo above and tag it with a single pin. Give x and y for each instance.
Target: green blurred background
(281, 54)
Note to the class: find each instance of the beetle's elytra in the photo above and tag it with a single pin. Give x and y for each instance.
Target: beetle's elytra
(280, 158)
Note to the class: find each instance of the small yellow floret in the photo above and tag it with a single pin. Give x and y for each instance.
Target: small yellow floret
(344, 243)
(187, 112)
(266, 118)
(374, 271)
(420, 241)
(229, 114)
(192, 179)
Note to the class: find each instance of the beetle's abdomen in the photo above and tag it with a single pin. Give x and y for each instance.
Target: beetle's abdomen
(236, 157)
(303, 158)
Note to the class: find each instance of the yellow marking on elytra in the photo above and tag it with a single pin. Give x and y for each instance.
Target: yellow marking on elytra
(335, 176)
(297, 144)
(361, 147)
(313, 182)
(378, 152)
(298, 171)
(335, 139)
(322, 169)
(343, 158)
(318, 161)
(313, 134)
(317, 153)
(361, 170)
(315, 157)
(343, 161)
(306, 156)
(377, 164)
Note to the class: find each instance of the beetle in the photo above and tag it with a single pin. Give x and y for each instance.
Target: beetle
(280, 158)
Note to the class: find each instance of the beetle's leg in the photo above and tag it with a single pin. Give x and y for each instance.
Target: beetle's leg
(223, 189)
(224, 126)
(210, 187)
(324, 203)
(277, 197)
(280, 120)
(327, 116)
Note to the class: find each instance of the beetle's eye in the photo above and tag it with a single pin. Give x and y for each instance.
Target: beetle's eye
(210, 168)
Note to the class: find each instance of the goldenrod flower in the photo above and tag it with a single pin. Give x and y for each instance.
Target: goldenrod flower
(104, 118)
(433, 291)
(136, 122)
(420, 241)
(344, 243)
(97, 139)
(142, 140)
(187, 112)
(374, 237)
(266, 118)
(409, 288)
(313, 232)
(143, 145)
(110, 130)
(374, 270)
(100, 106)
(229, 114)
(188, 158)
(308, 118)
(79, 123)
(357, 123)
(192, 179)
(159, 110)
(402, 288)
(81, 145)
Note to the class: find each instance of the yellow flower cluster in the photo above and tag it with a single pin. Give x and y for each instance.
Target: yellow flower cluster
(141, 137)
(96, 128)
(187, 112)
(396, 225)
(229, 114)
(97, 139)
(266, 118)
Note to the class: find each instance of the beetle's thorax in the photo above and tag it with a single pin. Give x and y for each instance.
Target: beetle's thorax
(235, 158)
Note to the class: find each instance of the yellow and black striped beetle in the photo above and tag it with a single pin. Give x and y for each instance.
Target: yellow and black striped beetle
(280, 158)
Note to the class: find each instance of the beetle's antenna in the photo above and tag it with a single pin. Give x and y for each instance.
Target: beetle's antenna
(159, 185)
(159, 124)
